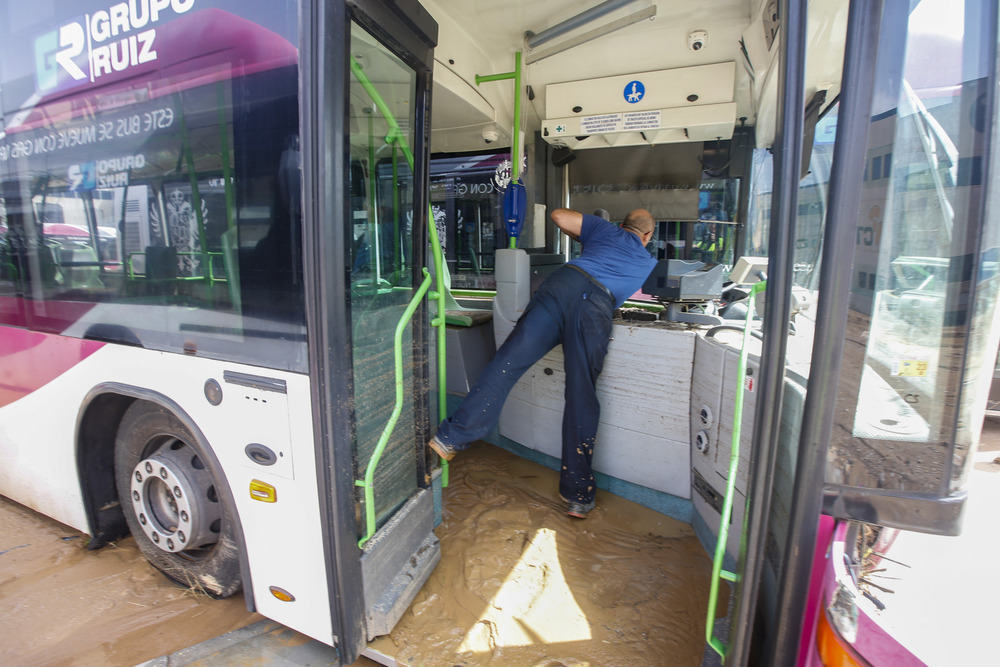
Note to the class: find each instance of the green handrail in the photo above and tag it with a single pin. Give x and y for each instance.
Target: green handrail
(439, 294)
(515, 149)
(368, 481)
(397, 254)
(727, 505)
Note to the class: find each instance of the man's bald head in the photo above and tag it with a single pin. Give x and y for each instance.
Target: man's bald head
(639, 220)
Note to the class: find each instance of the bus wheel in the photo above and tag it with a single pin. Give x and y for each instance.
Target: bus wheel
(172, 502)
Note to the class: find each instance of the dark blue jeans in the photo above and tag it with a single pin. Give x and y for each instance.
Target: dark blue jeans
(571, 309)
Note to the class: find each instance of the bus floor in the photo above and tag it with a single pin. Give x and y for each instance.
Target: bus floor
(519, 583)
(522, 583)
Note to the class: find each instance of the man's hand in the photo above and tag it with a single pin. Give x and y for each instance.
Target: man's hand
(569, 221)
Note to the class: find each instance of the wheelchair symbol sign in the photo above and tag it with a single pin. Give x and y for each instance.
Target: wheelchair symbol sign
(634, 92)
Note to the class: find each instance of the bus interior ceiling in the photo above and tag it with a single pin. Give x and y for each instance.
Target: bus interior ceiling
(713, 65)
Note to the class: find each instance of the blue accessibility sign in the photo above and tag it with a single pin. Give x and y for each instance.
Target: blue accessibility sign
(634, 92)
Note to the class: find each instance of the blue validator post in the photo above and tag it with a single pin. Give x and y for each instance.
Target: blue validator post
(515, 206)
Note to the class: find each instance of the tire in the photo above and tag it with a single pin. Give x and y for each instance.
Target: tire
(173, 503)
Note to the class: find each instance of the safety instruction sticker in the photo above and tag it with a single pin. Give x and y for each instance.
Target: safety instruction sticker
(608, 122)
(642, 120)
(910, 367)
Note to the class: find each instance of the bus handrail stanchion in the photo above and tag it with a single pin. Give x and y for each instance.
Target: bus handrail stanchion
(439, 295)
(515, 149)
(727, 505)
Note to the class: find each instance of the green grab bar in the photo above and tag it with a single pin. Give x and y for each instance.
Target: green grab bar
(439, 294)
(396, 266)
(727, 505)
(482, 293)
(383, 440)
(515, 149)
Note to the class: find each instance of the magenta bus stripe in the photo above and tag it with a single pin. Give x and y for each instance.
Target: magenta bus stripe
(30, 360)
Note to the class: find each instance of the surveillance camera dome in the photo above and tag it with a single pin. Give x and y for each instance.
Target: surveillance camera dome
(490, 135)
(697, 40)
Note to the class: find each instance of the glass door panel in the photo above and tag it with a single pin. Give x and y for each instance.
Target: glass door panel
(381, 122)
(922, 279)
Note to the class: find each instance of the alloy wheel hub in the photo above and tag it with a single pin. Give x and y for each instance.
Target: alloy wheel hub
(172, 500)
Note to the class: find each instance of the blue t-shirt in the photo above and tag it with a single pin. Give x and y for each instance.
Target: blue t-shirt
(614, 257)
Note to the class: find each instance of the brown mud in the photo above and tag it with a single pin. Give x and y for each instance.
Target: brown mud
(519, 583)
(63, 605)
(522, 583)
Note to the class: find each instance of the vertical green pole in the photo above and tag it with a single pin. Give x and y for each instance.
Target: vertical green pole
(374, 251)
(727, 504)
(397, 242)
(515, 149)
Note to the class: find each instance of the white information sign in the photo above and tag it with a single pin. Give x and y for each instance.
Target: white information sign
(642, 120)
(609, 122)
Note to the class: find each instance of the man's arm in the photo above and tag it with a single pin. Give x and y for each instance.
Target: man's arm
(569, 221)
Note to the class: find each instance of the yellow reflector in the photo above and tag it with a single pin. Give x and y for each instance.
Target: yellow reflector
(282, 594)
(832, 650)
(263, 491)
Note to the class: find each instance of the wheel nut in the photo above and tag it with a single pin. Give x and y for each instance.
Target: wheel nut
(156, 537)
(135, 496)
(163, 473)
(184, 516)
(142, 519)
(138, 476)
(180, 536)
(177, 491)
(170, 544)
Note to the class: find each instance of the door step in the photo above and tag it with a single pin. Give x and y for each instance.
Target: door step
(396, 562)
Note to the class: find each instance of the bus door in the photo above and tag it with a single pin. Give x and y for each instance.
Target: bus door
(365, 176)
(905, 329)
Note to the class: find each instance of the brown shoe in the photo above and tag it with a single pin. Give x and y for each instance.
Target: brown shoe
(442, 450)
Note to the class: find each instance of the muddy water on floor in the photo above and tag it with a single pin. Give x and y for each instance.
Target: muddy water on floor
(63, 605)
(521, 583)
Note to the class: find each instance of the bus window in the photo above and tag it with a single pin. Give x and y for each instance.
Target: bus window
(467, 204)
(11, 306)
(918, 282)
(162, 204)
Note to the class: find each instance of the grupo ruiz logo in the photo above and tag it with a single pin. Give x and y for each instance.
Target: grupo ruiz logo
(109, 40)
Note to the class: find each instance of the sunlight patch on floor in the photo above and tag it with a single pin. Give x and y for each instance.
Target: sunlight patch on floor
(534, 605)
